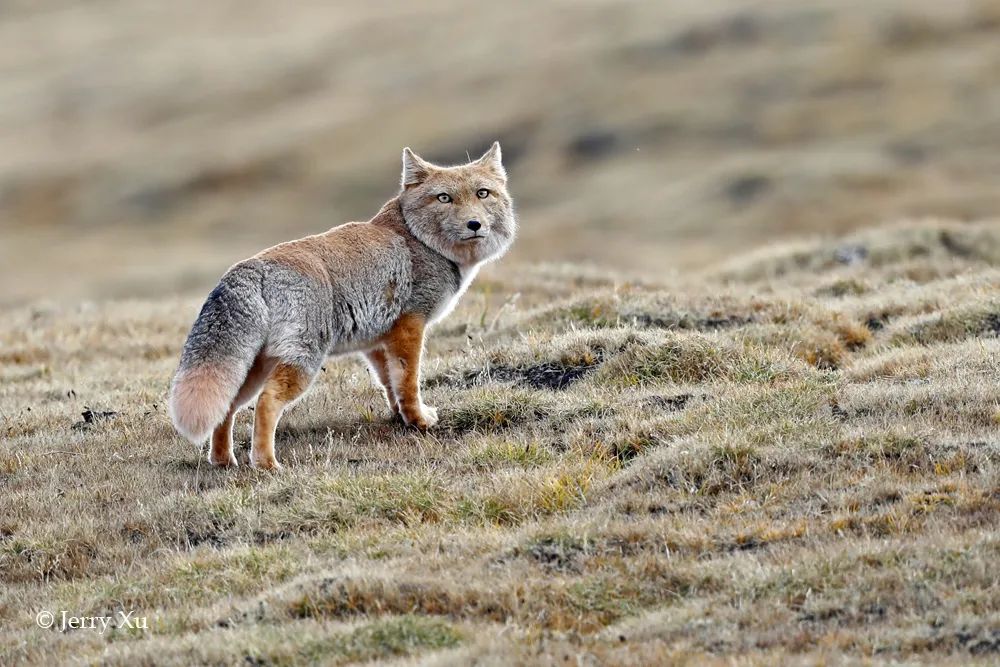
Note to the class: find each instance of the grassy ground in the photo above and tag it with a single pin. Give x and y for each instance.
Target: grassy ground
(790, 458)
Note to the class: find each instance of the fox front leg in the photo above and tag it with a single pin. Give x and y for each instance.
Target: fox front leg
(403, 347)
(379, 364)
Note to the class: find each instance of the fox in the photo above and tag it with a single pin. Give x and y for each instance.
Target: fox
(365, 288)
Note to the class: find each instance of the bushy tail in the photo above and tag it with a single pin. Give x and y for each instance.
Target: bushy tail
(224, 341)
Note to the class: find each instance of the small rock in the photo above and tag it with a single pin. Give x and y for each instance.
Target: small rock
(850, 254)
(91, 417)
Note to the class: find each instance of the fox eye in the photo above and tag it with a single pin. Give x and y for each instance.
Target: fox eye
(444, 198)
(483, 193)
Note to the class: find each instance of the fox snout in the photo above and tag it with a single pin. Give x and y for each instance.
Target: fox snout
(474, 231)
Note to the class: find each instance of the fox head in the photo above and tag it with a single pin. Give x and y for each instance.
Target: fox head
(463, 212)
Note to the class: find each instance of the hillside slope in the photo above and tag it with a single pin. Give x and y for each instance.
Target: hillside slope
(149, 144)
(788, 458)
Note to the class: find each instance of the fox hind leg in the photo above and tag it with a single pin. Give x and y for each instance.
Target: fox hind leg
(221, 453)
(286, 384)
(380, 368)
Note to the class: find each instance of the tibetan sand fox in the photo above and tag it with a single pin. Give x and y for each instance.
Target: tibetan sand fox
(364, 287)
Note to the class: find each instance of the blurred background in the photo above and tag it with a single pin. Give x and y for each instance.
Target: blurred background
(145, 146)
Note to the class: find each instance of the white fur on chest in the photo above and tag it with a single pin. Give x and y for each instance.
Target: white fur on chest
(448, 304)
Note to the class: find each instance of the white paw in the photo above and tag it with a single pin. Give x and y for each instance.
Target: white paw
(430, 415)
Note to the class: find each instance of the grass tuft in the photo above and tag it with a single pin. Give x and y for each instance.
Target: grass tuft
(490, 410)
(612, 461)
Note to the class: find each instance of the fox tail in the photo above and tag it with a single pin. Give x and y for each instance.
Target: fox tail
(224, 342)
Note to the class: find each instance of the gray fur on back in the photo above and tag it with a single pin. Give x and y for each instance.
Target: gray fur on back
(369, 278)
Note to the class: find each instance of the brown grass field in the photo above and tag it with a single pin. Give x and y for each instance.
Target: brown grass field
(792, 458)
(731, 400)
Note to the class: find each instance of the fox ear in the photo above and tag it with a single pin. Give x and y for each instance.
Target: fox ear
(415, 168)
(492, 159)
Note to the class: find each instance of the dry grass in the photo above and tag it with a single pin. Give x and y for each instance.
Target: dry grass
(791, 459)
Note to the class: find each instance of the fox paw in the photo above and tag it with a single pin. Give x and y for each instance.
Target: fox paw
(222, 461)
(425, 419)
(265, 463)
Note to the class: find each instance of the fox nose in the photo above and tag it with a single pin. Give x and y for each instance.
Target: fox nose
(473, 225)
